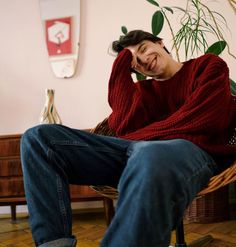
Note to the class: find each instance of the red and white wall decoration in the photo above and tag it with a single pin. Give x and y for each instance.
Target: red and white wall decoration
(58, 36)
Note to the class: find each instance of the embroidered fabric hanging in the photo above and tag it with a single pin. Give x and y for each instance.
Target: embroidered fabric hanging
(49, 114)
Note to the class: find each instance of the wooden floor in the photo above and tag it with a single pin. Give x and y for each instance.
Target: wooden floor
(89, 229)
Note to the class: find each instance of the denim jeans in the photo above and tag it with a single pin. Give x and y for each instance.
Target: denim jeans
(156, 181)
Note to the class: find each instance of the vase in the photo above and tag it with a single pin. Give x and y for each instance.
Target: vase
(49, 114)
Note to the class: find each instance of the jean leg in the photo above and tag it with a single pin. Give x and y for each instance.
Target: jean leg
(54, 156)
(160, 180)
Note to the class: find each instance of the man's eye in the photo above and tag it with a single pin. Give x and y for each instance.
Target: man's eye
(143, 49)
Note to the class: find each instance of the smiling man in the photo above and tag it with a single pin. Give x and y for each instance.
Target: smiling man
(172, 136)
(151, 59)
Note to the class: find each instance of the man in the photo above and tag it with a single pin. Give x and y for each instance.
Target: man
(172, 137)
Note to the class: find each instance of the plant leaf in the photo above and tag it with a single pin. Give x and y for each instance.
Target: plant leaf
(140, 77)
(217, 47)
(233, 87)
(124, 30)
(169, 9)
(157, 22)
(153, 2)
(181, 9)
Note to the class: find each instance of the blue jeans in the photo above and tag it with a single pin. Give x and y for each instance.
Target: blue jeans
(156, 181)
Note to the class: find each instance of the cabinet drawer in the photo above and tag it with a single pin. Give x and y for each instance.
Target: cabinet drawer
(11, 187)
(10, 166)
(10, 145)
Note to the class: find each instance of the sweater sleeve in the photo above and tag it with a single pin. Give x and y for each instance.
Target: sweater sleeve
(124, 97)
(207, 110)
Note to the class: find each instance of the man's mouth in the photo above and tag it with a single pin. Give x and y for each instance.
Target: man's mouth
(152, 64)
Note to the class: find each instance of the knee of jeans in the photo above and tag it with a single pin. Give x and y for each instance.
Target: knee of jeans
(159, 161)
(33, 138)
(28, 137)
(36, 133)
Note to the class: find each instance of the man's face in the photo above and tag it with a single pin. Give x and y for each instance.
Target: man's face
(150, 58)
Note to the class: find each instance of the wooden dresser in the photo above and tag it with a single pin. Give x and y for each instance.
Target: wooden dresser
(11, 180)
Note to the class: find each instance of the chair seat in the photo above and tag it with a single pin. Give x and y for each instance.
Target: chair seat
(226, 177)
(107, 191)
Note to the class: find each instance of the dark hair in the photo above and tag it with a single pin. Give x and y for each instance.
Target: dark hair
(133, 38)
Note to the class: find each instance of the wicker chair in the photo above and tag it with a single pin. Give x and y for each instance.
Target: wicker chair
(217, 182)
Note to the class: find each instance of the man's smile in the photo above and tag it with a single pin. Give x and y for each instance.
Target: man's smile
(152, 64)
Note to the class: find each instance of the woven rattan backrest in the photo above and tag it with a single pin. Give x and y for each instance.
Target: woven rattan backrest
(226, 177)
(103, 129)
(232, 140)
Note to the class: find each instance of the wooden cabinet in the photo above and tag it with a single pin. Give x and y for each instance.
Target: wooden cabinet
(11, 179)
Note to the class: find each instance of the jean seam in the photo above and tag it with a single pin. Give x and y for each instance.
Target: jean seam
(68, 143)
(197, 172)
(188, 180)
(82, 143)
(97, 148)
(61, 203)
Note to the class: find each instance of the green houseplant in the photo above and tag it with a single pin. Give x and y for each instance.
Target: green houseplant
(197, 23)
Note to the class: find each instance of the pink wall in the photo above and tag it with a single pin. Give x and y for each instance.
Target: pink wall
(82, 100)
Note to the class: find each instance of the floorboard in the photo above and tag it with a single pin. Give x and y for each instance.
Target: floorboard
(89, 229)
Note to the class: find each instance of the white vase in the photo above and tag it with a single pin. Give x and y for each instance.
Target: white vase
(49, 113)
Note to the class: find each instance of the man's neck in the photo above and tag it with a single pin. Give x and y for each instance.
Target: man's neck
(174, 67)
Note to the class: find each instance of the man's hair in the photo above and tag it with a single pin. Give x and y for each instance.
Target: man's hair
(133, 38)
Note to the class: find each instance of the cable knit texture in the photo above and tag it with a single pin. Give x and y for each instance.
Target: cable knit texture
(195, 104)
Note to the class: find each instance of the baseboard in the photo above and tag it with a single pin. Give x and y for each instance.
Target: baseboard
(74, 212)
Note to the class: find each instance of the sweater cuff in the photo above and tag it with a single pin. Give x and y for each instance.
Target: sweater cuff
(125, 54)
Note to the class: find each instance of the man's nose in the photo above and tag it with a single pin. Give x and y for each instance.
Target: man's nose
(142, 59)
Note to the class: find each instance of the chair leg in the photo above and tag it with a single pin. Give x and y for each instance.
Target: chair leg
(109, 209)
(13, 212)
(180, 241)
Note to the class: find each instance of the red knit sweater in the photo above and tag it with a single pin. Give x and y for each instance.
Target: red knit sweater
(195, 104)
